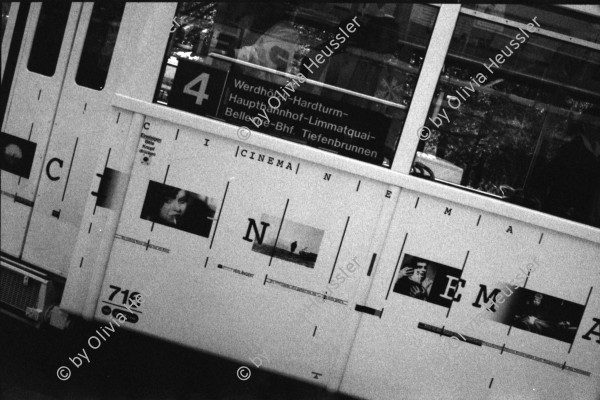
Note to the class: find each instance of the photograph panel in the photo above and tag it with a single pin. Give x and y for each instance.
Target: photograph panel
(179, 208)
(297, 243)
(425, 280)
(16, 154)
(538, 313)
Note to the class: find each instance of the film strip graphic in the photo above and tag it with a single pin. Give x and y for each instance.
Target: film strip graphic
(234, 270)
(18, 198)
(147, 244)
(306, 291)
(479, 342)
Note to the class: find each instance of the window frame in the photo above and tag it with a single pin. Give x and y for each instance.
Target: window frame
(136, 93)
(436, 56)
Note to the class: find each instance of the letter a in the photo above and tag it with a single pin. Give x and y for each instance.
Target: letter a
(591, 331)
(252, 225)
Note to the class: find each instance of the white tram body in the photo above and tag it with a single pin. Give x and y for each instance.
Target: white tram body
(298, 259)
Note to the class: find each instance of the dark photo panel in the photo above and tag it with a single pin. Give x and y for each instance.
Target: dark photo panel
(297, 243)
(539, 313)
(112, 189)
(178, 208)
(16, 155)
(427, 280)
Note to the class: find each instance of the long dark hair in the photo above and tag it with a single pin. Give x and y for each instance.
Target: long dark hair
(157, 195)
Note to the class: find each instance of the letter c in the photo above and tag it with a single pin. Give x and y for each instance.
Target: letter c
(146, 125)
(60, 164)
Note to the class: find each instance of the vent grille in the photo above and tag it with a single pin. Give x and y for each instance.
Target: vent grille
(15, 293)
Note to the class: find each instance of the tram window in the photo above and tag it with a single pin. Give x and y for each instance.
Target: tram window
(526, 130)
(351, 70)
(99, 44)
(48, 37)
(5, 11)
(561, 20)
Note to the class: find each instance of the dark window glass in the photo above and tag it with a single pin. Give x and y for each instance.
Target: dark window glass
(99, 44)
(516, 116)
(5, 11)
(48, 37)
(556, 18)
(362, 60)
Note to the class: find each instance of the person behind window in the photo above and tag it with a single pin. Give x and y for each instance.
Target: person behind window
(569, 186)
(275, 50)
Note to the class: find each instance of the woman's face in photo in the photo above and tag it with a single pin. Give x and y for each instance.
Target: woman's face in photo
(174, 208)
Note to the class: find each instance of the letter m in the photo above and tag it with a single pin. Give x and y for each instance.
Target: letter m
(486, 298)
(251, 226)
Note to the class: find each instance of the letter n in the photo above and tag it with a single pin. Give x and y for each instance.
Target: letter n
(252, 225)
(327, 176)
(591, 331)
(486, 298)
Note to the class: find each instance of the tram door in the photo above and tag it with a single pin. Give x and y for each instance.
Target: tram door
(28, 111)
(84, 125)
(81, 119)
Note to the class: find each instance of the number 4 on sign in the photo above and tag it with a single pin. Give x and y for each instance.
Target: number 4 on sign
(200, 94)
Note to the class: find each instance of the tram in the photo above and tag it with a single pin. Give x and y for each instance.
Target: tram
(388, 200)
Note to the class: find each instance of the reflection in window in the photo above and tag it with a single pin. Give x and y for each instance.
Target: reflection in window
(48, 37)
(529, 133)
(556, 18)
(372, 52)
(99, 44)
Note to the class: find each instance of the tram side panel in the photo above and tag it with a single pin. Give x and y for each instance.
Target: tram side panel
(85, 127)
(27, 126)
(478, 303)
(264, 262)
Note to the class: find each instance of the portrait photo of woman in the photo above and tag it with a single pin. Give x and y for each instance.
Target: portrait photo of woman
(178, 208)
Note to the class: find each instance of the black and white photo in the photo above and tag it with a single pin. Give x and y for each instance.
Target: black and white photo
(178, 208)
(16, 154)
(426, 280)
(297, 243)
(538, 313)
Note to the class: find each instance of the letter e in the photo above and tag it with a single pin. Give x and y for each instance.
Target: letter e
(451, 286)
